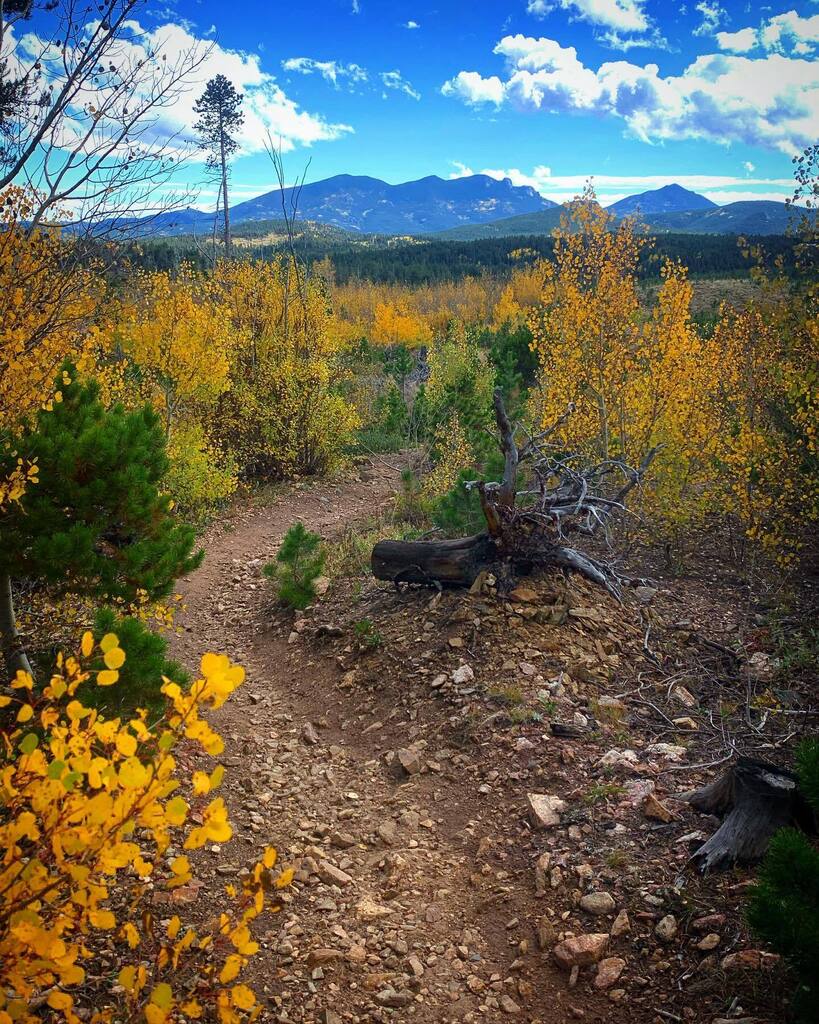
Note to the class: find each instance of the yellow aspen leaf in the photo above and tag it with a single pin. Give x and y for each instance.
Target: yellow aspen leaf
(230, 968)
(115, 658)
(176, 811)
(107, 677)
(4, 701)
(26, 713)
(87, 645)
(109, 642)
(216, 776)
(162, 996)
(201, 783)
(126, 744)
(180, 865)
(285, 878)
(242, 997)
(270, 857)
(103, 919)
(191, 1009)
(60, 1001)
(173, 926)
(131, 935)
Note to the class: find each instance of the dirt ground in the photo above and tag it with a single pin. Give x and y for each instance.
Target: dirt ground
(399, 789)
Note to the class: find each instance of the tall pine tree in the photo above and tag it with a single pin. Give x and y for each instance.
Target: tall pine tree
(220, 116)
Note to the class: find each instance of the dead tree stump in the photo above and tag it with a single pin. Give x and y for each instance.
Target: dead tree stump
(450, 563)
(755, 799)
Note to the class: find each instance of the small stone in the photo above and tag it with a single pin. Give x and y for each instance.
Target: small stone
(323, 956)
(581, 950)
(526, 668)
(389, 997)
(749, 959)
(645, 595)
(666, 928)
(524, 595)
(329, 1017)
(331, 875)
(621, 925)
(545, 932)
(709, 942)
(623, 758)
(656, 810)
(508, 1005)
(410, 760)
(387, 832)
(544, 809)
(415, 966)
(685, 723)
(597, 903)
(462, 674)
(438, 682)
(456, 641)
(309, 734)
(670, 751)
(368, 910)
(609, 971)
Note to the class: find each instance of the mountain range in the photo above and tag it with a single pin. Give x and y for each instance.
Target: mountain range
(476, 206)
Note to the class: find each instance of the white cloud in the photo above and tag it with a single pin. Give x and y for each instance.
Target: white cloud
(621, 15)
(331, 70)
(267, 108)
(412, 24)
(749, 167)
(738, 42)
(470, 87)
(772, 101)
(395, 80)
(712, 17)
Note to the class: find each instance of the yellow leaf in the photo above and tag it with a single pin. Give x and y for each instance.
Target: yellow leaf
(107, 677)
(102, 919)
(173, 927)
(230, 969)
(242, 997)
(131, 935)
(285, 878)
(127, 977)
(109, 642)
(26, 713)
(180, 865)
(87, 644)
(176, 811)
(126, 744)
(115, 658)
(162, 996)
(270, 857)
(60, 1001)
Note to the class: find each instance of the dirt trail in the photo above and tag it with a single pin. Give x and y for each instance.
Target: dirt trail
(413, 899)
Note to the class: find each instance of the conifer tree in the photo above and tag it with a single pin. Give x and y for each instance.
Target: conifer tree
(96, 523)
(784, 904)
(220, 116)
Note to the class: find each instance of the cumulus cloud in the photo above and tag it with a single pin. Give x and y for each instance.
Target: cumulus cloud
(412, 24)
(331, 70)
(771, 101)
(267, 108)
(787, 33)
(621, 15)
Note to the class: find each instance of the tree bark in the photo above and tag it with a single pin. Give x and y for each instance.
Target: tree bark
(452, 563)
(755, 799)
(14, 653)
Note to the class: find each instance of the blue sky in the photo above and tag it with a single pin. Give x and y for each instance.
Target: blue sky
(714, 94)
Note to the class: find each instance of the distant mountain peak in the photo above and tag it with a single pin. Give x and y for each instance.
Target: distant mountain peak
(672, 198)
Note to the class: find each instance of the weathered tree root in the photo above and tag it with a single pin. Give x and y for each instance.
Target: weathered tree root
(755, 799)
(563, 498)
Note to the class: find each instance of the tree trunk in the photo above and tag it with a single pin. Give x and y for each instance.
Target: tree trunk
(14, 653)
(755, 799)
(452, 563)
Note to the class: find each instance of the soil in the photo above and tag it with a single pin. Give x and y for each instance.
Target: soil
(426, 889)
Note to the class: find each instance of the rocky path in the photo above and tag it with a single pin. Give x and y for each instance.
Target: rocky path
(412, 898)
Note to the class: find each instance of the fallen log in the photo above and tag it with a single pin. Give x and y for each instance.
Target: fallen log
(754, 799)
(563, 496)
(450, 563)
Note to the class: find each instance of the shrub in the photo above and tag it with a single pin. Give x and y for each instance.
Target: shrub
(784, 904)
(298, 565)
(200, 475)
(458, 511)
(146, 664)
(88, 813)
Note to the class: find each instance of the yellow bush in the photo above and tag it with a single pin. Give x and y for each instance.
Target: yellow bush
(201, 475)
(89, 808)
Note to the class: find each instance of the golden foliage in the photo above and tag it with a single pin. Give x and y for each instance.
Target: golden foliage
(89, 808)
